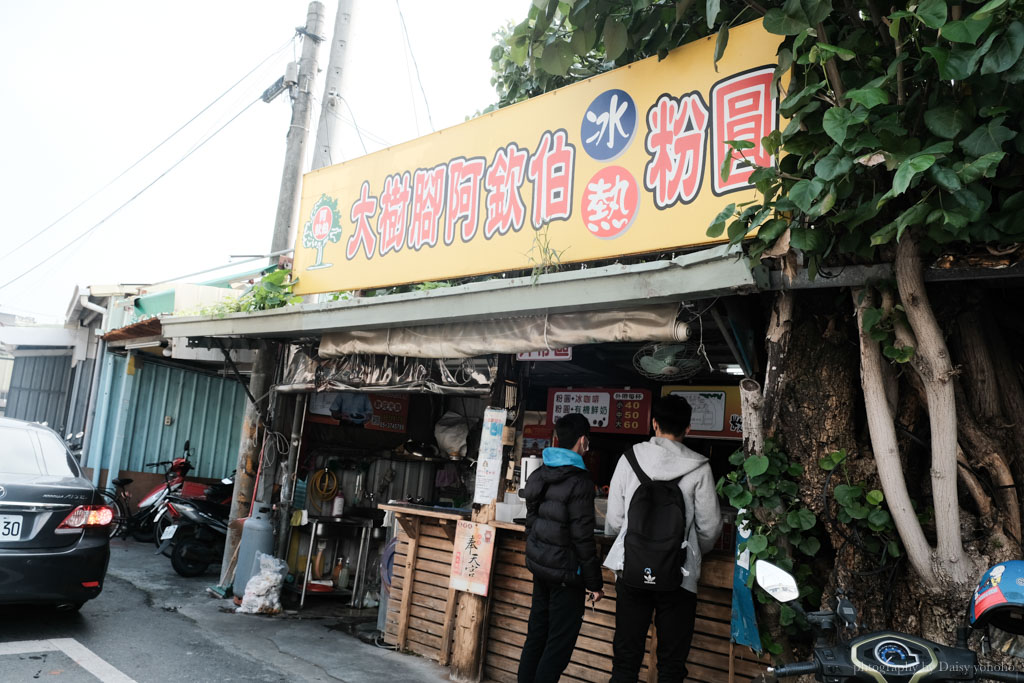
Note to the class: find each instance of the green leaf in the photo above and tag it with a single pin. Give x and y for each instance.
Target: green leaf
(875, 497)
(757, 543)
(946, 121)
(804, 192)
(879, 519)
(810, 546)
(847, 495)
(835, 122)
(828, 50)
(1007, 50)
(808, 239)
(795, 469)
(579, 42)
(805, 519)
(868, 97)
(893, 548)
(771, 230)
(721, 42)
(718, 226)
(908, 169)
(981, 168)
(713, 8)
(740, 145)
(988, 9)
(932, 13)
(944, 178)
(778, 22)
(614, 38)
(966, 30)
(755, 465)
(741, 500)
(857, 511)
(987, 139)
(557, 58)
(816, 10)
(833, 165)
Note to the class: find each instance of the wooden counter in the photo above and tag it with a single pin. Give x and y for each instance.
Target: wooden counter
(421, 621)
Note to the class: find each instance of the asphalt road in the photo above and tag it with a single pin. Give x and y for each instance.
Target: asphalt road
(151, 626)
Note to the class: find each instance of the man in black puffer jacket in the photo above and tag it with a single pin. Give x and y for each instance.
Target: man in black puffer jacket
(560, 551)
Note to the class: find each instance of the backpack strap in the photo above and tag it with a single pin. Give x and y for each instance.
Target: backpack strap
(641, 475)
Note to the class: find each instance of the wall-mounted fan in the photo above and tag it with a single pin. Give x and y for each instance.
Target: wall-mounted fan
(669, 361)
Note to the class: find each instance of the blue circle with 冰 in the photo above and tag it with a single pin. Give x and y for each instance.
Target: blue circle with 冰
(608, 125)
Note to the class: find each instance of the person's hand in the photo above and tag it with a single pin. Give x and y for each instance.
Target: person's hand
(595, 596)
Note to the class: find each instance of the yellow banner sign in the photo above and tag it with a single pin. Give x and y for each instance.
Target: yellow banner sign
(627, 162)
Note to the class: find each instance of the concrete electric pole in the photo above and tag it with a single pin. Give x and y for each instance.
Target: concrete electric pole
(324, 150)
(298, 131)
(265, 363)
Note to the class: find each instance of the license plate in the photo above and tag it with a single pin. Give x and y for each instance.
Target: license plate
(10, 527)
(168, 532)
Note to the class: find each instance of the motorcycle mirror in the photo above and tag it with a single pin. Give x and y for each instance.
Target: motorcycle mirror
(79, 435)
(777, 582)
(186, 445)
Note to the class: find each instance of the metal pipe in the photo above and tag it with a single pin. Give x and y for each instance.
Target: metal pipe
(288, 476)
(84, 301)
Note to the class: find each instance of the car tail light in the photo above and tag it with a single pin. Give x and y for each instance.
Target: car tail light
(86, 516)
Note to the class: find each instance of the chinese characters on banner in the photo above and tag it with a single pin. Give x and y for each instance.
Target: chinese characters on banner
(613, 411)
(626, 162)
(471, 557)
(390, 412)
(488, 464)
(564, 353)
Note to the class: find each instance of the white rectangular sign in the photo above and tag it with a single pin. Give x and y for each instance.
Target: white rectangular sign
(488, 464)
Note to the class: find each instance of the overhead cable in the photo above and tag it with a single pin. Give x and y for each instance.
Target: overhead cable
(150, 152)
(133, 198)
(415, 65)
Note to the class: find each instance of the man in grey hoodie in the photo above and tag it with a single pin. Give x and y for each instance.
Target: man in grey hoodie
(663, 458)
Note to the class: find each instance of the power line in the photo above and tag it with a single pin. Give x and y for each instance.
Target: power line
(150, 152)
(133, 198)
(415, 65)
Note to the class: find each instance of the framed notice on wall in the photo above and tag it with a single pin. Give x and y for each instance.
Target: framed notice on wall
(716, 410)
(488, 464)
(471, 557)
(610, 411)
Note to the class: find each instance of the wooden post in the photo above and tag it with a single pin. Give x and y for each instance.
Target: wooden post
(446, 628)
(467, 648)
(410, 570)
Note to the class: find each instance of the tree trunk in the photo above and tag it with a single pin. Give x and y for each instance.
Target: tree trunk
(932, 363)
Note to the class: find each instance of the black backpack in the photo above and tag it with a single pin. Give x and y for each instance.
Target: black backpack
(655, 532)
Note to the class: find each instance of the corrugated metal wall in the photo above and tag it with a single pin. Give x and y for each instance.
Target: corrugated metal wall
(39, 386)
(6, 368)
(204, 409)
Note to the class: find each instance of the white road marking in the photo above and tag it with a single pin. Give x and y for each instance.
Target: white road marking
(83, 656)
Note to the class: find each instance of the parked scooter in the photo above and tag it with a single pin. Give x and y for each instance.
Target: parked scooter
(215, 499)
(196, 538)
(891, 657)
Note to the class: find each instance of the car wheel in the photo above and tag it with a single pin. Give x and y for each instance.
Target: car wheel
(181, 562)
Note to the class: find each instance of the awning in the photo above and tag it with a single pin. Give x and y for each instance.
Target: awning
(511, 335)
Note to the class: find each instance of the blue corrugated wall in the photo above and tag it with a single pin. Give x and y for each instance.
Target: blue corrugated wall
(204, 409)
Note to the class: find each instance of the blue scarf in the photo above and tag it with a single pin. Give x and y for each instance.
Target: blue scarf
(557, 457)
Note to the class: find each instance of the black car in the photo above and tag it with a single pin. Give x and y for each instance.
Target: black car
(54, 540)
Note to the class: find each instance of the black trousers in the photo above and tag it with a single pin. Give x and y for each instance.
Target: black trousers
(674, 614)
(555, 620)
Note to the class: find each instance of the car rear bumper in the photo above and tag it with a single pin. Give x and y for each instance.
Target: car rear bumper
(55, 576)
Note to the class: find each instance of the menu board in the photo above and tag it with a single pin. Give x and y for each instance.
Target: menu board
(716, 410)
(471, 557)
(610, 411)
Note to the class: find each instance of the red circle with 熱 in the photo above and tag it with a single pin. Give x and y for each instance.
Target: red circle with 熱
(611, 200)
(322, 223)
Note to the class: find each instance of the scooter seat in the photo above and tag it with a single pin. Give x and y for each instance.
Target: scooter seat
(122, 482)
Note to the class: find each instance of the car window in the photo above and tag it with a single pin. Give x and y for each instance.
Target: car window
(18, 454)
(56, 458)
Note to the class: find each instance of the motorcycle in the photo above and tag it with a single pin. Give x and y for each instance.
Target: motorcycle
(892, 657)
(197, 535)
(216, 498)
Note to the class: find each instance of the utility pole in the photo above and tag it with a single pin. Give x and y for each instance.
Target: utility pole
(265, 362)
(322, 152)
(298, 131)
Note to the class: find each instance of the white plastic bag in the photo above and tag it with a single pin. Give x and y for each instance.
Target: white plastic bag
(263, 591)
(451, 432)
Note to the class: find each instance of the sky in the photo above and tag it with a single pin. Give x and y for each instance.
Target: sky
(90, 87)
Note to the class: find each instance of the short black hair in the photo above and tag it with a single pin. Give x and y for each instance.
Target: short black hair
(569, 428)
(673, 414)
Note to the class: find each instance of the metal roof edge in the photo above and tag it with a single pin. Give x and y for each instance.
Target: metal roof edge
(710, 272)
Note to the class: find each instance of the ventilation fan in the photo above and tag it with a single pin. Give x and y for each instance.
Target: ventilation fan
(668, 362)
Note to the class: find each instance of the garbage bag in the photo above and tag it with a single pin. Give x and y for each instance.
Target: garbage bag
(263, 591)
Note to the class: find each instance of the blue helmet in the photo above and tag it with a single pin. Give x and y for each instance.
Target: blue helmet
(999, 598)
